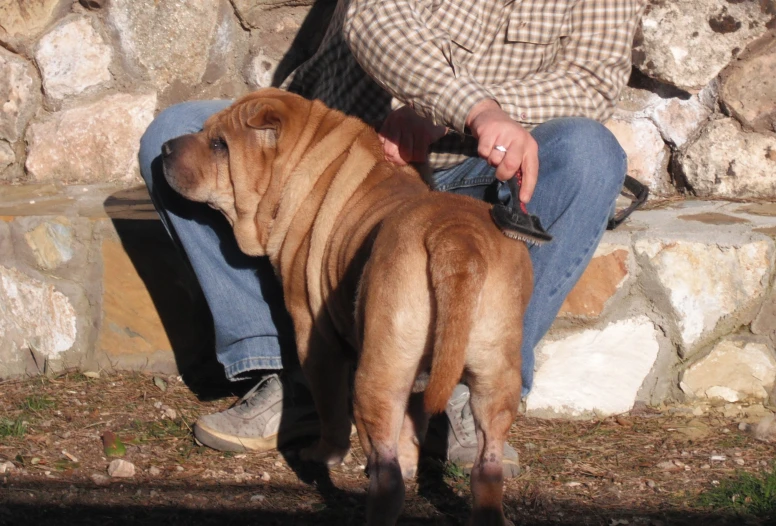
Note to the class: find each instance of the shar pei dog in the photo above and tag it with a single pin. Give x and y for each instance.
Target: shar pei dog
(376, 269)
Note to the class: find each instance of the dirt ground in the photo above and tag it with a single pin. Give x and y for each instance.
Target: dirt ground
(647, 468)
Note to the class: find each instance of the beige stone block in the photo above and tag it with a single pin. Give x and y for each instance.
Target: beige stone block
(647, 153)
(749, 89)
(707, 283)
(52, 243)
(73, 58)
(603, 277)
(734, 371)
(726, 161)
(94, 143)
(19, 94)
(130, 326)
(687, 43)
(25, 19)
(168, 41)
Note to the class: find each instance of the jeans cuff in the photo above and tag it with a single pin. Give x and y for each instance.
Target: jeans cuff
(250, 354)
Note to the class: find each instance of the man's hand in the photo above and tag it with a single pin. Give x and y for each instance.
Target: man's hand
(492, 127)
(406, 136)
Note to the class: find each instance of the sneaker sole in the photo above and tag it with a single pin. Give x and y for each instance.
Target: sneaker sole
(226, 442)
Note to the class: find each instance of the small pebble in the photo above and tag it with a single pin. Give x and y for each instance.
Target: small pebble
(154, 471)
(265, 477)
(650, 483)
(153, 493)
(178, 468)
(739, 461)
(6, 467)
(718, 458)
(705, 466)
(100, 480)
(121, 468)
(258, 498)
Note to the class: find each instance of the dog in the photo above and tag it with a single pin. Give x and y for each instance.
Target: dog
(376, 268)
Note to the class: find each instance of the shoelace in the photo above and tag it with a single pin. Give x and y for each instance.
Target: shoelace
(248, 397)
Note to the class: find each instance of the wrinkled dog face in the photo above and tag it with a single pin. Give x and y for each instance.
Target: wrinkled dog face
(228, 165)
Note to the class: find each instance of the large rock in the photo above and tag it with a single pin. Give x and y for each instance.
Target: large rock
(749, 88)
(34, 315)
(734, 371)
(72, 58)
(687, 43)
(19, 95)
(705, 283)
(594, 372)
(94, 143)
(23, 20)
(254, 12)
(765, 322)
(169, 41)
(647, 153)
(7, 156)
(677, 116)
(727, 162)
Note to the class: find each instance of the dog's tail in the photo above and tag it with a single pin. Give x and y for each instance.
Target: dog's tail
(458, 269)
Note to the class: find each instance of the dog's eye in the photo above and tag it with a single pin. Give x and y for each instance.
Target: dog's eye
(217, 144)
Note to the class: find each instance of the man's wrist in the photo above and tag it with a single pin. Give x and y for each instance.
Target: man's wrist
(481, 106)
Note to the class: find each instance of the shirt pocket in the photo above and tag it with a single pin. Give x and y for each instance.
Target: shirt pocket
(462, 21)
(540, 23)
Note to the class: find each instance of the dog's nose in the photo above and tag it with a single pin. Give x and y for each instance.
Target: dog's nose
(166, 149)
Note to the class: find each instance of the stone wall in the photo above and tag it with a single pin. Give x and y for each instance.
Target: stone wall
(678, 305)
(79, 81)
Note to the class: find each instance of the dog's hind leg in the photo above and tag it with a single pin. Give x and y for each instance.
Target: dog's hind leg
(382, 390)
(327, 373)
(413, 431)
(494, 407)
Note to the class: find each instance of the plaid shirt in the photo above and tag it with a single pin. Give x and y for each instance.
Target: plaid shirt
(539, 59)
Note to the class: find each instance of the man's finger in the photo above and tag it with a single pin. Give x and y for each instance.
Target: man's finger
(510, 164)
(496, 156)
(485, 146)
(391, 151)
(530, 175)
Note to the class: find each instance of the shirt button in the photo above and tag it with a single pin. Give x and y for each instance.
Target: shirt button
(523, 116)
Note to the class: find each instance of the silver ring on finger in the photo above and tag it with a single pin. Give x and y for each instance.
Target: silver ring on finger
(500, 148)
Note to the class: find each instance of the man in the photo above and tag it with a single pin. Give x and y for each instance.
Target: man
(476, 88)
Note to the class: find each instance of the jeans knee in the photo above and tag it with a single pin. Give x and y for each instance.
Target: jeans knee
(589, 149)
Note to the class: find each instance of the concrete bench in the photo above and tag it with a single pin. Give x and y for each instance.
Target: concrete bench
(678, 305)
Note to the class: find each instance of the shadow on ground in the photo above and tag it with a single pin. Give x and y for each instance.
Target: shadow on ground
(149, 503)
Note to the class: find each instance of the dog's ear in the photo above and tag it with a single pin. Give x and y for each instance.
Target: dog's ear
(267, 121)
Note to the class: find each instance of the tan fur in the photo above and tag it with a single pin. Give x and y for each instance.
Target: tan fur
(372, 265)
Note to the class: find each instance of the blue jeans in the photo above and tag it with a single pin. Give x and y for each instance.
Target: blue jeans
(581, 172)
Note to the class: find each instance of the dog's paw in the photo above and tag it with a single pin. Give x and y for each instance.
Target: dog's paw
(324, 452)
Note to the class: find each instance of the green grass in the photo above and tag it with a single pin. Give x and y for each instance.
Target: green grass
(159, 430)
(748, 494)
(36, 403)
(12, 428)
